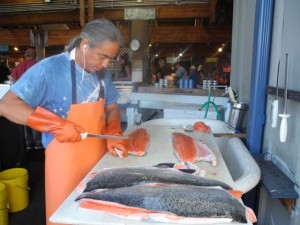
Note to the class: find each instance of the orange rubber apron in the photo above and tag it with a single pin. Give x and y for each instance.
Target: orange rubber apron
(66, 164)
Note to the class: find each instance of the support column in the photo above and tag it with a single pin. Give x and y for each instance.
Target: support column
(139, 30)
(260, 73)
(90, 10)
(82, 13)
(39, 43)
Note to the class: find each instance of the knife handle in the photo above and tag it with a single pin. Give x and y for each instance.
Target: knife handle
(283, 127)
(231, 95)
(83, 135)
(119, 152)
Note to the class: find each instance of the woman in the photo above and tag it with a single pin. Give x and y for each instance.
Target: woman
(162, 70)
(125, 73)
(193, 75)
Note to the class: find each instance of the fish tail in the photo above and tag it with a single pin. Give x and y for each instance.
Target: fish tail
(250, 215)
(83, 195)
(179, 166)
(235, 193)
(165, 165)
(81, 187)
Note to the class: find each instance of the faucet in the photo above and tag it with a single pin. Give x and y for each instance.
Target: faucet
(206, 104)
(225, 94)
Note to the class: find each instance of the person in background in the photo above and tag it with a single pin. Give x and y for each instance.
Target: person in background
(4, 72)
(33, 138)
(64, 96)
(193, 75)
(200, 74)
(125, 73)
(30, 60)
(180, 73)
(162, 70)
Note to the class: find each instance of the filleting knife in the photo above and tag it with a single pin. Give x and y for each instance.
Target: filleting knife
(103, 136)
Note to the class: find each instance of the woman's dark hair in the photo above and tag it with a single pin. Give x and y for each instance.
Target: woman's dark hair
(125, 56)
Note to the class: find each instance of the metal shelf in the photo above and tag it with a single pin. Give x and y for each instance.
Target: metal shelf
(275, 181)
(293, 95)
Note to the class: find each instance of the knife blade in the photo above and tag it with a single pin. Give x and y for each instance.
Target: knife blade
(103, 136)
(230, 135)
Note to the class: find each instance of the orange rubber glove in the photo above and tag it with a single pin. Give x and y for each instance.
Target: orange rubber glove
(114, 128)
(44, 121)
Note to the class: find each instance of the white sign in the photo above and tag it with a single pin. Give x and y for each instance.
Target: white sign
(139, 14)
(171, 59)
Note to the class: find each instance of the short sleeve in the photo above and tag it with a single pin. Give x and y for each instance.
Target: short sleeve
(111, 92)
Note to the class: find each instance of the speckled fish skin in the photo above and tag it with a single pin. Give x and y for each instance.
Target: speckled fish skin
(129, 176)
(182, 200)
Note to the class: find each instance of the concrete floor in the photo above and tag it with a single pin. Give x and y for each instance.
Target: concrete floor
(34, 214)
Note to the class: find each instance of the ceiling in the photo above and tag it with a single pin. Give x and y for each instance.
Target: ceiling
(197, 27)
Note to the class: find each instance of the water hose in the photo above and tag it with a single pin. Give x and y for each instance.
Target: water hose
(206, 105)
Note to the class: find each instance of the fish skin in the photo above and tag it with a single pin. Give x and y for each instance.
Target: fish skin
(182, 200)
(129, 176)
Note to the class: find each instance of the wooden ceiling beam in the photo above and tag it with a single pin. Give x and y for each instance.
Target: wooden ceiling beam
(179, 12)
(15, 37)
(55, 37)
(190, 34)
(161, 12)
(20, 1)
(182, 34)
(192, 11)
(61, 37)
(40, 19)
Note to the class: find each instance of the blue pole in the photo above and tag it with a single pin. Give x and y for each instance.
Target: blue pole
(260, 73)
(259, 81)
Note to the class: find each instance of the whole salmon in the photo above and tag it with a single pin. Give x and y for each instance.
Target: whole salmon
(180, 200)
(129, 176)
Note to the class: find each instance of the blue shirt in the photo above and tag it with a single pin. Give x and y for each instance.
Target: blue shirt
(194, 76)
(48, 84)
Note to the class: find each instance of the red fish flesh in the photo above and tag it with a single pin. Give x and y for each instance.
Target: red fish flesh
(201, 127)
(187, 149)
(138, 142)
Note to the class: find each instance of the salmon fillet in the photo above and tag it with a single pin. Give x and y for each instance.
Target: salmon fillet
(187, 149)
(201, 127)
(138, 142)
